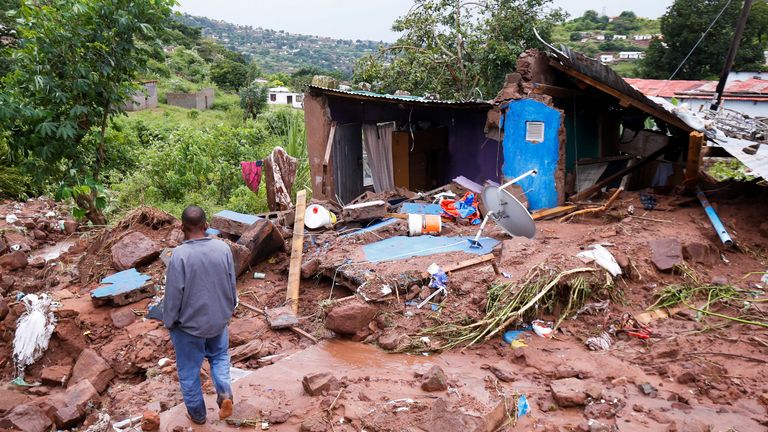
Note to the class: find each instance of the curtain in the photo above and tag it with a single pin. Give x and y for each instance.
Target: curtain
(378, 146)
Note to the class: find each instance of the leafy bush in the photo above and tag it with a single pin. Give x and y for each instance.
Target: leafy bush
(730, 169)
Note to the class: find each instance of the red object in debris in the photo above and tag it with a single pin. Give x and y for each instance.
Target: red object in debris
(252, 174)
(314, 210)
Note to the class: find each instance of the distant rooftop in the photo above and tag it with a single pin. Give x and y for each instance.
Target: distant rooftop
(750, 89)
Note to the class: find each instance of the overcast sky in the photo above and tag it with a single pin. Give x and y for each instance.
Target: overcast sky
(364, 19)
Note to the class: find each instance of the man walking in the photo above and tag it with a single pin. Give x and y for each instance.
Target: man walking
(200, 296)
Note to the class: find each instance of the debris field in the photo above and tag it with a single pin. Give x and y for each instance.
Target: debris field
(621, 318)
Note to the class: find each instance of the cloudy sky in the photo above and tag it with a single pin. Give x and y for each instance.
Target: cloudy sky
(364, 19)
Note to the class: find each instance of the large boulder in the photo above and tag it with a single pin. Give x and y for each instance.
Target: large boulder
(14, 261)
(350, 317)
(240, 255)
(10, 399)
(90, 366)
(133, 250)
(666, 253)
(27, 418)
(318, 383)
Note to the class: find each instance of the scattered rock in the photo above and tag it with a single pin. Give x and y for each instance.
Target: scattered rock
(278, 416)
(413, 291)
(666, 253)
(315, 423)
(4, 309)
(686, 377)
(176, 237)
(123, 317)
(596, 426)
(70, 226)
(502, 374)
(441, 419)
(700, 253)
(14, 261)
(569, 392)
(569, 372)
(389, 340)
(262, 240)
(39, 235)
(310, 268)
(150, 421)
(133, 250)
(27, 418)
(240, 255)
(317, 383)
(720, 280)
(424, 292)
(6, 283)
(56, 375)
(434, 380)
(91, 367)
(349, 317)
(37, 262)
(648, 390)
(9, 399)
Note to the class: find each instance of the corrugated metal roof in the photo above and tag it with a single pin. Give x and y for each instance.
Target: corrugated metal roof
(417, 100)
(750, 89)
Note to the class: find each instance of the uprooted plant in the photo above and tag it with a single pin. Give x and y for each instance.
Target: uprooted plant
(508, 303)
(693, 290)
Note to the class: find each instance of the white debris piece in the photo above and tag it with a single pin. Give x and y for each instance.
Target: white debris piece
(600, 343)
(602, 257)
(33, 331)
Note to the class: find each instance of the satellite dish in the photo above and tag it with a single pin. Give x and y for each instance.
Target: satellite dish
(508, 212)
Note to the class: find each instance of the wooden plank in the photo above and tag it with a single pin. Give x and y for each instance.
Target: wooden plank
(327, 158)
(469, 263)
(624, 100)
(693, 165)
(296, 330)
(297, 248)
(555, 211)
(588, 192)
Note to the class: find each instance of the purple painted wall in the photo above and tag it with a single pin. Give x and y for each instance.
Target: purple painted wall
(471, 154)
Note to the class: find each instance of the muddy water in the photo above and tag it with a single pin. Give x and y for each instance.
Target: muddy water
(361, 356)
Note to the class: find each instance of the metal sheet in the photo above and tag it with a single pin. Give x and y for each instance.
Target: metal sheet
(421, 208)
(401, 247)
(348, 162)
(120, 283)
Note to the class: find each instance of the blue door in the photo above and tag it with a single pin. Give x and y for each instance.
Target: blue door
(531, 141)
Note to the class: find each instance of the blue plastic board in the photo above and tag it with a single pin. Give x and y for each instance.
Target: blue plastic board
(119, 283)
(212, 232)
(521, 155)
(238, 217)
(401, 247)
(374, 227)
(421, 208)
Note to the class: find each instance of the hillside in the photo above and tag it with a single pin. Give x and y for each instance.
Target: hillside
(279, 51)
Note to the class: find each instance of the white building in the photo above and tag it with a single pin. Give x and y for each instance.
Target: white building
(606, 58)
(600, 37)
(619, 37)
(284, 96)
(643, 37)
(631, 55)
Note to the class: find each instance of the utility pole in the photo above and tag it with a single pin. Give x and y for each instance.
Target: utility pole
(731, 54)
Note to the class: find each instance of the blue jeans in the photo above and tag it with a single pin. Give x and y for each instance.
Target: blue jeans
(190, 352)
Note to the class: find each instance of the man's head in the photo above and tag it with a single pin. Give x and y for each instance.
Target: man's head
(193, 222)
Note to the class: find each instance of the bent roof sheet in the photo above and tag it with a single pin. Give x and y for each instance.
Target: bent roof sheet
(416, 100)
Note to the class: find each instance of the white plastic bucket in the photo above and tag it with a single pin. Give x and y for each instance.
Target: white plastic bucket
(317, 216)
(424, 224)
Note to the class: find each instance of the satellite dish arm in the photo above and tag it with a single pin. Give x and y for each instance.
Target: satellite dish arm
(532, 172)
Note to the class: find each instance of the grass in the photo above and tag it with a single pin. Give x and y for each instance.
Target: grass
(510, 303)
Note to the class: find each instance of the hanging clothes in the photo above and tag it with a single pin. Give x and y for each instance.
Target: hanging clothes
(378, 146)
(464, 208)
(252, 174)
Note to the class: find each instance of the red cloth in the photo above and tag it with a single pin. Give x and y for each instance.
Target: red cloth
(468, 208)
(252, 174)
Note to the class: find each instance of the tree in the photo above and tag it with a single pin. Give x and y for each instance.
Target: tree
(457, 49)
(706, 61)
(253, 100)
(625, 23)
(229, 75)
(302, 78)
(7, 34)
(189, 65)
(73, 68)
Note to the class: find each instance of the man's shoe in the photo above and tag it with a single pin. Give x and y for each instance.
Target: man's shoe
(195, 421)
(225, 410)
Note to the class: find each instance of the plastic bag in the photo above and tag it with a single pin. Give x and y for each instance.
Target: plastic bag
(33, 331)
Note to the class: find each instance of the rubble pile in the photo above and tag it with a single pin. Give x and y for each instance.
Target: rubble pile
(575, 329)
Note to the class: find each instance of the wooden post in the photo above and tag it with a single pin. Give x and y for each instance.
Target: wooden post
(297, 248)
(695, 144)
(327, 158)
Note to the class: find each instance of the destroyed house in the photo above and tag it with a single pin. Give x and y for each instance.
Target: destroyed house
(581, 126)
(352, 136)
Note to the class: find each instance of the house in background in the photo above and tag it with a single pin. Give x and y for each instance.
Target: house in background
(749, 96)
(631, 55)
(606, 58)
(144, 98)
(200, 100)
(619, 37)
(284, 96)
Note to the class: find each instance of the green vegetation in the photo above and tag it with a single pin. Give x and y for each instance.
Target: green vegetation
(682, 27)
(459, 50)
(279, 51)
(63, 133)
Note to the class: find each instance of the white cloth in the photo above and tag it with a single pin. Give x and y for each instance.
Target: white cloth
(378, 146)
